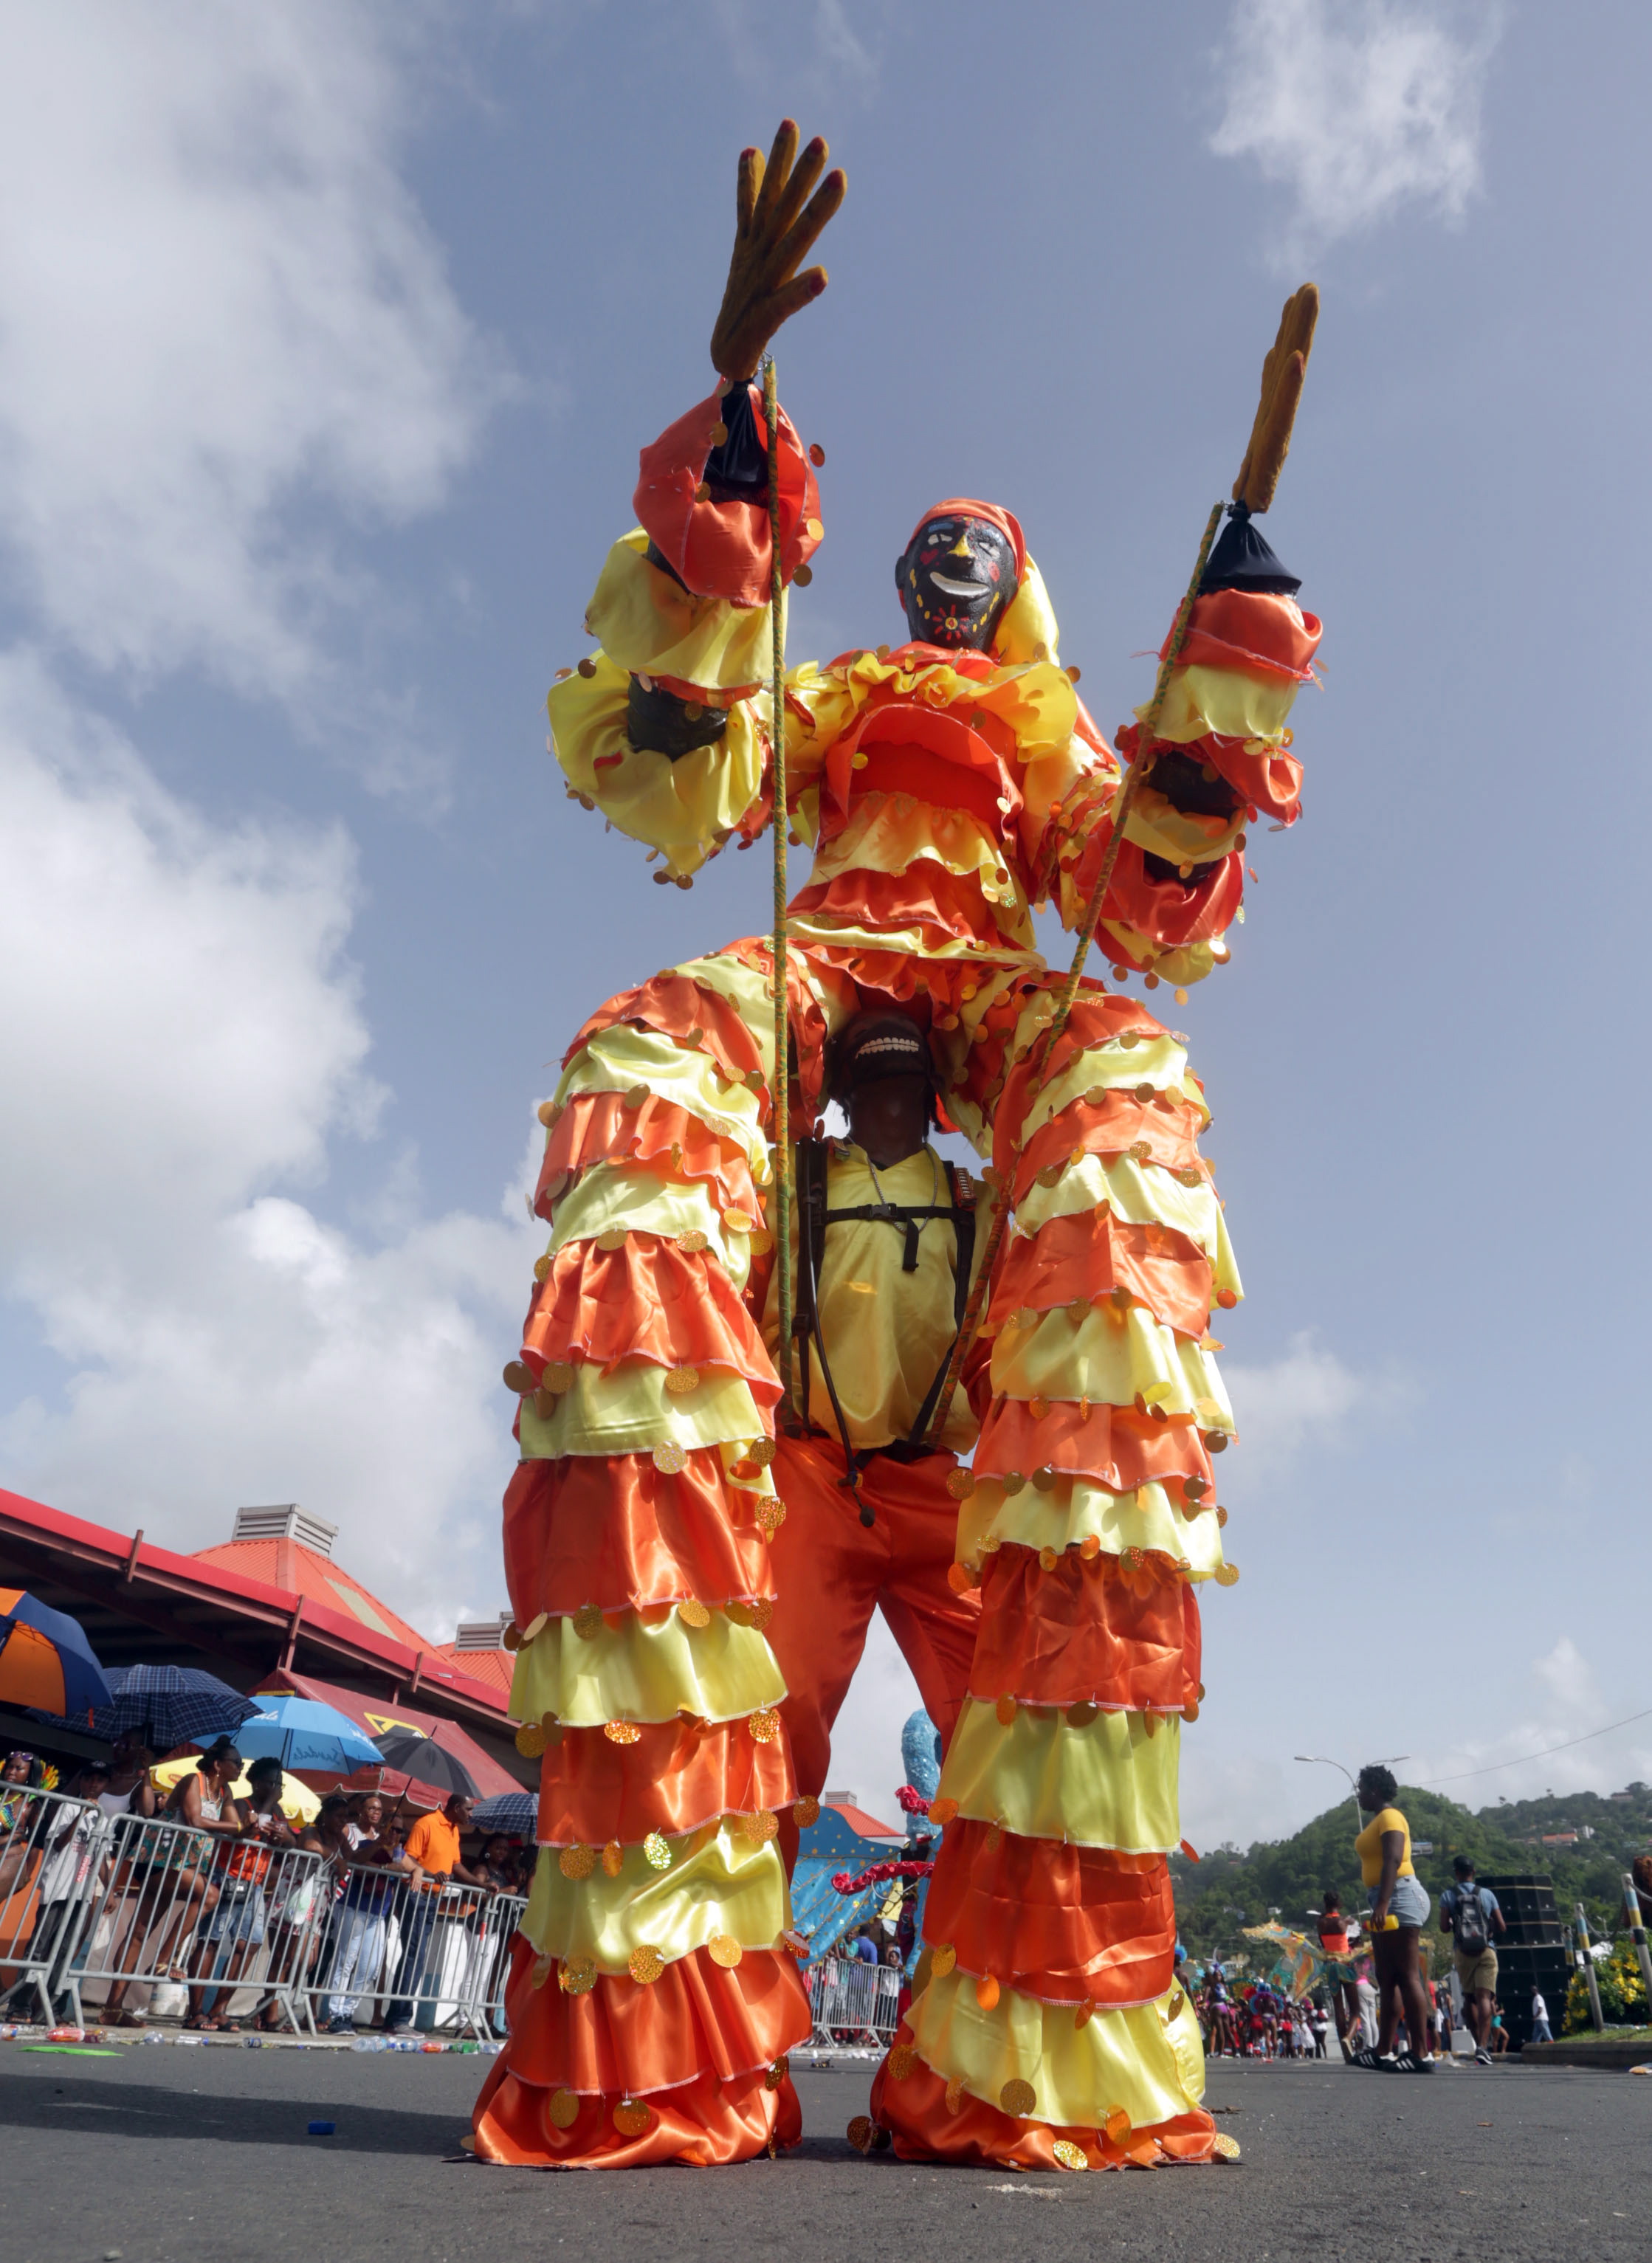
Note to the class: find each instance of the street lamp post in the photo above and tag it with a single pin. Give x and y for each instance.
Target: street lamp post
(1320, 1760)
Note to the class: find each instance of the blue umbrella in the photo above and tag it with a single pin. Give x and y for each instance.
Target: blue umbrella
(302, 1734)
(46, 1660)
(176, 1704)
(514, 1812)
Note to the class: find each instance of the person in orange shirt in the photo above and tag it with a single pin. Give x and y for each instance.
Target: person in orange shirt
(430, 1859)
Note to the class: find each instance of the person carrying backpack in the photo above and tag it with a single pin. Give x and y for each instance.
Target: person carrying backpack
(1470, 1914)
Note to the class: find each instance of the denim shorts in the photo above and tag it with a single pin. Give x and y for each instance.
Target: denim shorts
(1409, 1904)
(239, 1915)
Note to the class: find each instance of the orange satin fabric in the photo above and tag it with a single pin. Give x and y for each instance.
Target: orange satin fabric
(1169, 1127)
(831, 1573)
(1090, 1253)
(1270, 783)
(1085, 1632)
(948, 906)
(676, 1776)
(915, 2112)
(678, 1007)
(1249, 629)
(601, 1127)
(649, 1300)
(612, 1530)
(1116, 1447)
(623, 2039)
(1095, 1020)
(704, 2125)
(1061, 1923)
(722, 549)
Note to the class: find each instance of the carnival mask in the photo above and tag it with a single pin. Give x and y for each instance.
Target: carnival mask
(955, 577)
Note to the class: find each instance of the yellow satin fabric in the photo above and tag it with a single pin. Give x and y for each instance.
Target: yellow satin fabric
(1225, 700)
(1146, 2061)
(1074, 1510)
(887, 1331)
(729, 1886)
(643, 1670)
(680, 807)
(1142, 1194)
(1158, 1061)
(612, 1196)
(1180, 836)
(1110, 1356)
(1108, 1785)
(620, 1058)
(646, 620)
(631, 1412)
(916, 942)
(1187, 963)
(889, 833)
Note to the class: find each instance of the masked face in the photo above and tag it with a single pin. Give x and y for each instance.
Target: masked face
(956, 578)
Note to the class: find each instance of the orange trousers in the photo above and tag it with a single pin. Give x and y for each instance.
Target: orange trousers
(831, 1573)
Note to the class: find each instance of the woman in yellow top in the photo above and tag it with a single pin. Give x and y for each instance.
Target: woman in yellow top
(1398, 1911)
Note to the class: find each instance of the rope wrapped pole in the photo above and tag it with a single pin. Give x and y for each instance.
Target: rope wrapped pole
(1146, 751)
(780, 1095)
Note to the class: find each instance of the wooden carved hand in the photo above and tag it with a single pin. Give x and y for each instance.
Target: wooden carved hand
(774, 229)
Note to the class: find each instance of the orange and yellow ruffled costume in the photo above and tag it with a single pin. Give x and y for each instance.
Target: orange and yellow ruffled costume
(945, 792)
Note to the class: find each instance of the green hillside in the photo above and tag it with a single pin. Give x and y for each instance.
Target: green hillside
(1227, 1890)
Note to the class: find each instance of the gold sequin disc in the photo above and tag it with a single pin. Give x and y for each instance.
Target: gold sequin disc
(738, 1221)
(1068, 2155)
(1226, 1574)
(1081, 1716)
(693, 1613)
(519, 1377)
(646, 1965)
(630, 2117)
(691, 1242)
(1005, 1710)
(622, 1732)
(588, 1621)
(778, 2072)
(1038, 1409)
(986, 1992)
(941, 1811)
(563, 2109)
(668, 1458)
(806, 1812)
(1047, 1559)
(530, 1740)
(960, 1484)
(724, 1949)
(954, 2094)
(902, 2059)
(942, 1959)
(1084, 2015)
(558, 1375)
(578, 1976)
(758, 1828)
(657, 1849)
(679, 1381)
(1018, 2098)
(859, 2133)
(612, 1237)
(763, 1451)
(1224, 2147)
(771, 1514)
(764, 1725)
(613, 1858)
(576, 1861)
(1012, 1483)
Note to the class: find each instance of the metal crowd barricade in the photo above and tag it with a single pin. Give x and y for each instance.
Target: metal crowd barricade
(854, 2006)
(383, 1946)
(50, 1845)
(168, 1906)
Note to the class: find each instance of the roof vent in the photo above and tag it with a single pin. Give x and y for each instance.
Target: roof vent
(285, 1521)
(840, 1799)
(481, 1634)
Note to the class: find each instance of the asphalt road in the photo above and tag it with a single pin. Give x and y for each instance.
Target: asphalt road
(162, 2153)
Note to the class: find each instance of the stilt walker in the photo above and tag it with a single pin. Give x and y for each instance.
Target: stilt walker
(744, 1401)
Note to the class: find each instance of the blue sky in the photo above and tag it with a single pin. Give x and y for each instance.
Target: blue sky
(328, 338)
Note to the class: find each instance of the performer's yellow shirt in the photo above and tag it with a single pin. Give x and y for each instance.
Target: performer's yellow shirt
(1368, 1845)
(887, 1331)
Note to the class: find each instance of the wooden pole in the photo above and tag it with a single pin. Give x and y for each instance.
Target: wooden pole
(779, 1095)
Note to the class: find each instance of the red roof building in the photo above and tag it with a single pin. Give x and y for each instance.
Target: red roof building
(268, 1602)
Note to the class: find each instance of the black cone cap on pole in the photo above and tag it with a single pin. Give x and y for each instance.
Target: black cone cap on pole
(1243, 560)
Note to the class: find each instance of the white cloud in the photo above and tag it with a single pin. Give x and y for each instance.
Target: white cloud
(1358, 107)
(183, 1040)
(1520, 1759)
(1285, 1404)
(218, 304)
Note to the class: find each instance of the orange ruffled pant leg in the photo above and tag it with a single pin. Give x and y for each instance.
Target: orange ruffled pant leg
(653, 1995)
(1049, 2028)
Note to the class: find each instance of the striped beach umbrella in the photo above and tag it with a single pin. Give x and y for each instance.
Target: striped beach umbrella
(45, 1658)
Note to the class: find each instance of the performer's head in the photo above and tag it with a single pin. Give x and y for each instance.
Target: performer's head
(960, 573)
(884, 1079)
